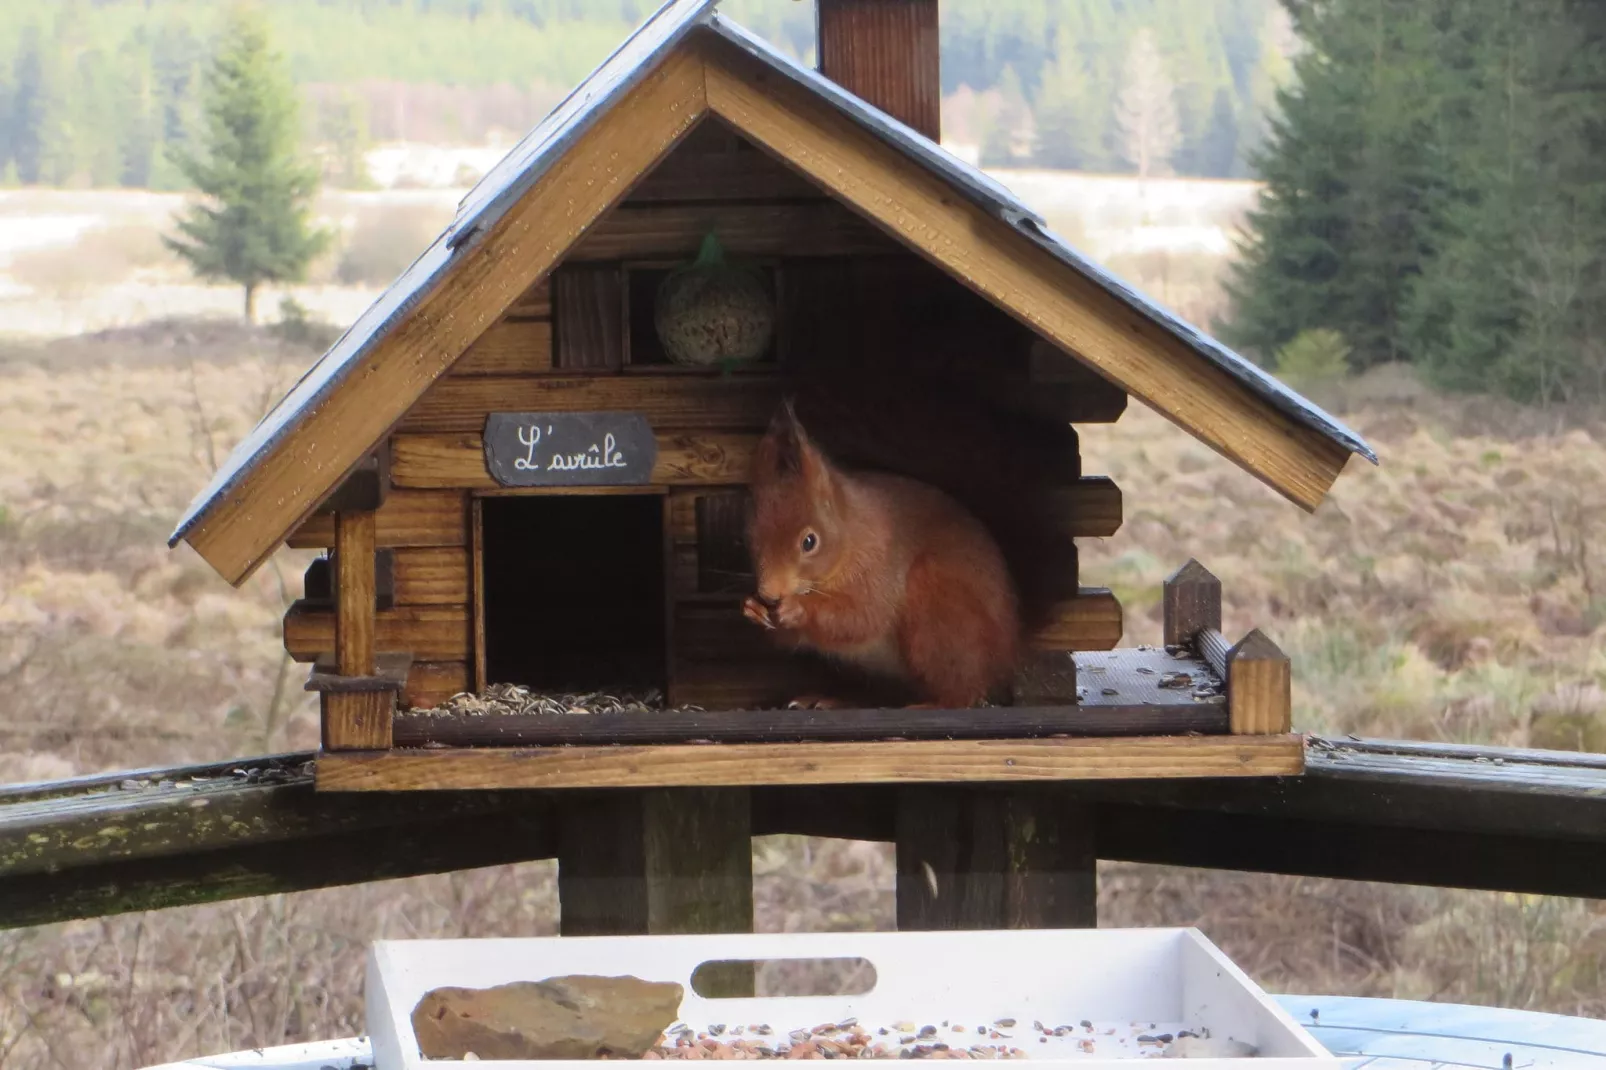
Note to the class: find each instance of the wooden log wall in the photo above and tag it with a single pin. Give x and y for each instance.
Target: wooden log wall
(845, 292)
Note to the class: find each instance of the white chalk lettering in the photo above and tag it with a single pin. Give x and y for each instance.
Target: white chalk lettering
(595, 456)
(528, 437)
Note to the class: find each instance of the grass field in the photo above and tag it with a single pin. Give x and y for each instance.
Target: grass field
(1455, 593)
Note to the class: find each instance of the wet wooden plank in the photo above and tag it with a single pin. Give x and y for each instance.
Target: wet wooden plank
(761, 764)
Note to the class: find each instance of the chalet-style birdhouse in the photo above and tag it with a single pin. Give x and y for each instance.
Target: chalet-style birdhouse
(527, 459)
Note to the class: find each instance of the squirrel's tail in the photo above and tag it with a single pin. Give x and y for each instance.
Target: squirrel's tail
(1001, 466)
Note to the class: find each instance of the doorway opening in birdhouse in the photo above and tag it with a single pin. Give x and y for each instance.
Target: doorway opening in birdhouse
(572, 594)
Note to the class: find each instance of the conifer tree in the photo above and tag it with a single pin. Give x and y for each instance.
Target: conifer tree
(1218, 149)
(1353, 174)
(36, 107)
(1146, 109)
(1070, 132)
(253, 224)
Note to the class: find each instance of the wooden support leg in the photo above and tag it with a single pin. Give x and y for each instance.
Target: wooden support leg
(670, 860)
(987, 859)
(357, 716)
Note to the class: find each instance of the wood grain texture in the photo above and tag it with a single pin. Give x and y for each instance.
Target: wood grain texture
(533, 303)
(1191, 600)
(903, 319)
(724, 172)
(317, 585)
(1094, 401)
(1048, 678)
(698, 844)
(363, 490)
(751, 764)
(239, 532)
(798, 726)
(1259, 686)
(602, 865)
(741, 402)
(428, 633)
(765, 682)
(458, 460)
(430, 683)
(1090, 621)
(354, 593)
(976, 858)
(661, 861)
(724, 563)
(356, 720)
(588, 313)
(390, 674)
(819, 228)
(509, 347)
(886, 53)
(992, 257)
(433, 576)
(408, 518)
(481, 679)
(1213, 647)
(1089, 508)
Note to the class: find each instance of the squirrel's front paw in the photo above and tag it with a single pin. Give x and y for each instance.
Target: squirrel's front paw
(788, 612)
(758, 613)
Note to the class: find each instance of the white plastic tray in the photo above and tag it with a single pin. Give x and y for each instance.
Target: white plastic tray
(1125, 979)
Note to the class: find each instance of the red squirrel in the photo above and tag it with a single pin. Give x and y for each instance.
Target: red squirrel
(880, 571)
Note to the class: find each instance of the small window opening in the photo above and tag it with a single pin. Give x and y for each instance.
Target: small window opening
(641, 297)
(574, 592)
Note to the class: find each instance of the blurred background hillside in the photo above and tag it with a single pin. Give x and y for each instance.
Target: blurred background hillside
(100, 91)
(1399, 206)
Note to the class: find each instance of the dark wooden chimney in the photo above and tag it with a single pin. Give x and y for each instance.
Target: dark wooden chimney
(885, 52)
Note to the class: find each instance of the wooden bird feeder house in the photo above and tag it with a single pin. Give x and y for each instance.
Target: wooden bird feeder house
(518, 483)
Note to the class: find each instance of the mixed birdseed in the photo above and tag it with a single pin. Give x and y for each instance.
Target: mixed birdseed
(1001, 1039)
(499, 699)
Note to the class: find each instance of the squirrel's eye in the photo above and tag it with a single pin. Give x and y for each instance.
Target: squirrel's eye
(810, 542)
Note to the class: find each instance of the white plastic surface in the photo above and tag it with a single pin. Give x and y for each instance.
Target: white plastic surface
(1173, 978)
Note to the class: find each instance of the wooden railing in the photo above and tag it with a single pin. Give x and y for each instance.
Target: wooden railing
(1513, 820)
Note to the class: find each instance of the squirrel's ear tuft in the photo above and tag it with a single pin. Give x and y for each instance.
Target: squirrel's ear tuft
(780, 453)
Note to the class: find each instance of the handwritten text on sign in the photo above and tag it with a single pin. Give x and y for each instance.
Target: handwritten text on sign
(569, 449)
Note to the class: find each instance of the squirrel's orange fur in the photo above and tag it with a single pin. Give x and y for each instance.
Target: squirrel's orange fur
(888, 574)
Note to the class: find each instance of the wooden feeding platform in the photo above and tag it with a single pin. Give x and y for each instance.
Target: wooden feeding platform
(520, 476)
(1194, 708)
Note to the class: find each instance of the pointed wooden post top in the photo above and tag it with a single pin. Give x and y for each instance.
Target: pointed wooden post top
(1256, 646)
(1192, 603)
(1259, 687)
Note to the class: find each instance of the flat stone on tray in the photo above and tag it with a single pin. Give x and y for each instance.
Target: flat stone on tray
(573, 1017)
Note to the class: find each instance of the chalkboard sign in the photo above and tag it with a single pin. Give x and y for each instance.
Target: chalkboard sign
(569, 449)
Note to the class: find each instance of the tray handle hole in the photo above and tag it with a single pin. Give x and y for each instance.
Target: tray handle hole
(784, 978)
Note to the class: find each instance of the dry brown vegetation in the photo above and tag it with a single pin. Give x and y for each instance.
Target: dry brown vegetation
(1452, 593)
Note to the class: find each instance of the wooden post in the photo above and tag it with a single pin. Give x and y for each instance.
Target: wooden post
(356, 717)
(1259, 687)
(985, 859)
(670, 860)
(1192, 598)
(886, 53)
(354, 593)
